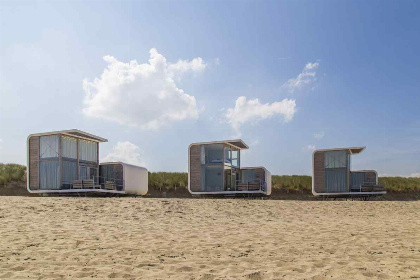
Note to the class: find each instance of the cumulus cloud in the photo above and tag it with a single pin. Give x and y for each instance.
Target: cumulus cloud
(253, 111)
(319, 135)
(304, 80)
(311, 147)
(415, 175)
(143, 95)
(126, 152)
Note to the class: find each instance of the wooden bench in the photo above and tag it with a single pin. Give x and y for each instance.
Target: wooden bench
(109, 185)
(88, 184)
(77, 184)
(372, 188)
(248, 187)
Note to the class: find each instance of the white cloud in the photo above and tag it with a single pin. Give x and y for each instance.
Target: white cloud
(304, 80)
(253, 111)
(143, 95)
(416, 175)
(254, 143)
(125, 152)
(311, 147)
(319, 135)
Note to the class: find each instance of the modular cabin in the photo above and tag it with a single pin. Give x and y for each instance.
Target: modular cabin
(215, 168)
(331, 175)
(125, 177)
(68, 162)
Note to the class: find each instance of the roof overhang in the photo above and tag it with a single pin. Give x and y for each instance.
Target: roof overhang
(352, 150)
(75, 133)
(237, 143)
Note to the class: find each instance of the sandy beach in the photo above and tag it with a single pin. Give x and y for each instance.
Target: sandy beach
(53, 238)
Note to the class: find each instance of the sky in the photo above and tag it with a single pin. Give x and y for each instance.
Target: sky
(286, 77)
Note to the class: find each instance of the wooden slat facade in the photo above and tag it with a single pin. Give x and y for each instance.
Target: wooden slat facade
(195, 168)
(34, 163)
(319, 172)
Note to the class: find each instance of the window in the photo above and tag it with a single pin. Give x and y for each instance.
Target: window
(235, 158)
(336, 159)
(49, 175)
(88, 151)
(49, 146)
(69, 147)
(212, 178)
(212, 154)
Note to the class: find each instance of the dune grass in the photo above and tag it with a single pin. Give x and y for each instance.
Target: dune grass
(12, 173)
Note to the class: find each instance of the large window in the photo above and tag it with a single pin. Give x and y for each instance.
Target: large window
(336, 159)
(212, 178)
(88, 151)
(49, 146)
(49, 175)
(212, 154)
(49, 166)
(69, 147)
(336, 171)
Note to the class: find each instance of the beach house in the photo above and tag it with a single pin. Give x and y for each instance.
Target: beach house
(215, 168)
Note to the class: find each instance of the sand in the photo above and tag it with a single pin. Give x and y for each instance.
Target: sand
(128, 238)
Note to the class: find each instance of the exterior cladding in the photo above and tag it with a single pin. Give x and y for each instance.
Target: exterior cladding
(319, 172)
(195, 168)
(34, 163)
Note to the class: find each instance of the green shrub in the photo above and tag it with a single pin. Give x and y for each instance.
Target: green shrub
(291, 183)
(400, 184)
(12, 173)
(168, 180)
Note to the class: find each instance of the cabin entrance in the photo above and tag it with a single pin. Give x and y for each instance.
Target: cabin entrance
(230, 179)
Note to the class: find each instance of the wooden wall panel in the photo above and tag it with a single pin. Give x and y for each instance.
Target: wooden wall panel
(34, 163)
(319, 172)
(195, 168)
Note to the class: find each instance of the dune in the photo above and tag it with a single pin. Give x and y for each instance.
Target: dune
(143, 238)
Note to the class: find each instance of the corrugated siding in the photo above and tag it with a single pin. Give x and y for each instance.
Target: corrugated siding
(336, 180)
(336, 159)
(69, 147)
(88, 151)
(49, 173)
(69, 172)
(49, 146)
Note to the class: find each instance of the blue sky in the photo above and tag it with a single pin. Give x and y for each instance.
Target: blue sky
(325, 73)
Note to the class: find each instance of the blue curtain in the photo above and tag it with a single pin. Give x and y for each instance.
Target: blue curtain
(336, 180)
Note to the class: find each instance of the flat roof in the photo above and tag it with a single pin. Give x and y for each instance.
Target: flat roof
(238, 143)
(75, 133)
(352, 150)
